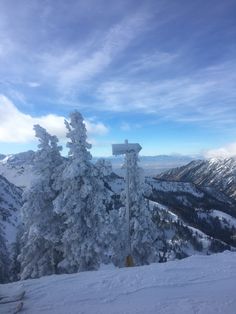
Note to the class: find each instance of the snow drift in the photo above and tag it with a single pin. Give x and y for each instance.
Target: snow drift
(198, 284)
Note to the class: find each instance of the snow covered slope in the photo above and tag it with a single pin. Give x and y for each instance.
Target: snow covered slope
(178, 239)
(2, 156)
(198, 284)
(10, 204)
(206, 209)
(18, 168)
(218, 173)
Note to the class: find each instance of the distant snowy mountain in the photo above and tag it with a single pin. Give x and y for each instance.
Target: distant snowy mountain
(2, 156)
(18, 168)
(198, 284)
(217, 173)
(10, 204)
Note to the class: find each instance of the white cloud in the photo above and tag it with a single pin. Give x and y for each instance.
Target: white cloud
(96, 128)
(152, 97)
(78, 65)
(33, 84)
(17, 127)
(150, 61)
(204, 96)
(6, 46)
(125, 126)
(222, 152)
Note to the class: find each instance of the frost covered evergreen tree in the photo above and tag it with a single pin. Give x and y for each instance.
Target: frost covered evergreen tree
(113, 243)
(82, 199)
(15, 267)
(143, 232)
(4, 258)
(41, 237)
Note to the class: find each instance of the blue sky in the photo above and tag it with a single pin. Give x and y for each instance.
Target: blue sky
(162, 73)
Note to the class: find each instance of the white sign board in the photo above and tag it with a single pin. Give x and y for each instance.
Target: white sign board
(120, 149)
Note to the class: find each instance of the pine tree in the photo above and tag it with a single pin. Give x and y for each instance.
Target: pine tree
(82, 200)
(15, 267)
(112, 246)
(143, 232)
(4, 258)
(41, 237)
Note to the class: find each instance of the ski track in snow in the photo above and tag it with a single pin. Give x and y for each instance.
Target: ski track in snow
(198, 284)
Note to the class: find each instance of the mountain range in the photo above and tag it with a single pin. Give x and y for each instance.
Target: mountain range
(217, 173)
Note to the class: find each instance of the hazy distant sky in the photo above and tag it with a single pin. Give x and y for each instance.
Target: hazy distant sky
(161, 73)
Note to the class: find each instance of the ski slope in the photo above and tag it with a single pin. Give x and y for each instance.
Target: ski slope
(198, 284)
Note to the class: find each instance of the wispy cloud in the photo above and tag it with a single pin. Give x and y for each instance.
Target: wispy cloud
(78, 65)
(17, 127)
(130, 126)
(125, 126)
(206, 95)
(33, 84)
(31, 50)
(6, 46)
(149, 61)
(110, 69)
(159, 60)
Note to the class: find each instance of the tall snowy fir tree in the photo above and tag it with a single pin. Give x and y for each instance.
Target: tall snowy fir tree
(4, 257)
(143, 232)
(112, 247)
(82, 200)
(41, 237)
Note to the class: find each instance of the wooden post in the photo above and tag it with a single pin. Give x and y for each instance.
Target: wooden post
(129, 262)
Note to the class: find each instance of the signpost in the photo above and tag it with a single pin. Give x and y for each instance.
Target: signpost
(121, 149)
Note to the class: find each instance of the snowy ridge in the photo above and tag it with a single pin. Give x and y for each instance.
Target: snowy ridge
(173, 217)
(2, 157)
(226, 220)
(183, 187)
(214, 216)
(218, 173)
(18, 168)
(189, 243)
(10, 204)
(198, 284)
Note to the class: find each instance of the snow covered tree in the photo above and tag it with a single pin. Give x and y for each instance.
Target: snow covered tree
(4, 258)
(112, 248)
(82, 200)
(142, 230)
(15, 267)
(41, 237)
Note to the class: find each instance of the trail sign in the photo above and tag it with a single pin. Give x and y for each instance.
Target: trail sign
(120, 149)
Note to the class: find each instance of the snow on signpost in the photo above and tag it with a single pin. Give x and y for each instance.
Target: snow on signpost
(121, 149)
(125, 149)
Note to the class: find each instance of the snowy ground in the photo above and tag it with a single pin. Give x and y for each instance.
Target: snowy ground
(198, 284)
